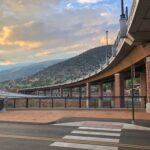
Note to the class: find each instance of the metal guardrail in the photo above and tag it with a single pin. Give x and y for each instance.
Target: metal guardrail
(132, 12)
(78, 102)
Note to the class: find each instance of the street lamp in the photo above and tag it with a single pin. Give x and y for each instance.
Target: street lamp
(132, 93)
(107, 46)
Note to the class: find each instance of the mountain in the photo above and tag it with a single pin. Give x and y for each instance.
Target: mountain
(70, 69)
(12, 72)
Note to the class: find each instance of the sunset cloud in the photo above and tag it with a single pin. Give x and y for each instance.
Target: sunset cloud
(103, 40)
(6, 33)
(33, 31)
(42, 54)
(7, 62)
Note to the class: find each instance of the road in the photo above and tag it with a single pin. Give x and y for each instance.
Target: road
(68, 135)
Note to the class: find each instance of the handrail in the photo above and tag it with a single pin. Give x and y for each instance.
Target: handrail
(132, 12)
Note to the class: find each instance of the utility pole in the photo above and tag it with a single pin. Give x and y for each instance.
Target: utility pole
(132, 93)
(107, 46)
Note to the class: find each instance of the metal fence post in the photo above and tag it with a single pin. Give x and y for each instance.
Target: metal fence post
(14, 103)
(52, 103)
(132, 84)
(79, 101)
(39, 103)
(145, 100)
(27, 103)
(65, 102)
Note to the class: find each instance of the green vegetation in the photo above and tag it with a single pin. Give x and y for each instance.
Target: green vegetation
(70, 69)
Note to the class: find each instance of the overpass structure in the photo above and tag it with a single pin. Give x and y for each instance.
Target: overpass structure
(131, 50)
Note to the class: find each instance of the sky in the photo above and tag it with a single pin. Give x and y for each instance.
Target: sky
(39, 30)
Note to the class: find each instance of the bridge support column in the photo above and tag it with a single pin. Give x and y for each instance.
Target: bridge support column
(100, 94)
(88, 94)
(80, 91)
(70, 92)
(142, 84)
(112, 99)
(51, 91)
(61, 92)
(45, 92)
(142, 91)
(37, 92)
(118, 90)
(148, 83)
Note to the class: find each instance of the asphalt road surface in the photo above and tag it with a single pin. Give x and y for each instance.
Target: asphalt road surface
(68, 135)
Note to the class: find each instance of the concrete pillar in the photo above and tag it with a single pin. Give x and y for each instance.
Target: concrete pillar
(100, 94)
(51, 92)
(142, 91)
(61, 92)
(88, 94)
(148, 83)
(37, 92)
(80, 91)
(142, 84)
(112, 94)
(2, 105)
(118, 90)
(45, 92)
(70, 92)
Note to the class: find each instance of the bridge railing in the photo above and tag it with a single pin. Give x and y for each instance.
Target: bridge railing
(132, 12)
(78, 102)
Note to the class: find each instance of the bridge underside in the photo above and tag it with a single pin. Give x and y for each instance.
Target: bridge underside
(133, 53)
(116, 77)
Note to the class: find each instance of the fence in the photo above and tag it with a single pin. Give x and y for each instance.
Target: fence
(78, 102)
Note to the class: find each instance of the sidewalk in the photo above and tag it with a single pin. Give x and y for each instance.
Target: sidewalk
(48, 116)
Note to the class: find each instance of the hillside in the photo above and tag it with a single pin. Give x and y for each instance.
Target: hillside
(12, 72)
(70, 69)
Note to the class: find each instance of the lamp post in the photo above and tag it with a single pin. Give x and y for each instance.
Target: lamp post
(132, 94)
(107, 46)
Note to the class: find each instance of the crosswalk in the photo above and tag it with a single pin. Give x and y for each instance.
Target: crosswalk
(90, 134)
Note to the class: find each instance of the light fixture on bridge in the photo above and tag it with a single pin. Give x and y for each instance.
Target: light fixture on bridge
(107, 46)
(123, 21)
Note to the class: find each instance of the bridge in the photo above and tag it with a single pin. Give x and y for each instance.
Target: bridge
(130, 58)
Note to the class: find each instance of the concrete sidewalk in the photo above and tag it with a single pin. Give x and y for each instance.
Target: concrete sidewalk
(49, 116)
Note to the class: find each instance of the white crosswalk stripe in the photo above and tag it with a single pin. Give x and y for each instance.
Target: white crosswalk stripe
(85, 138)
(101, 129)
(83, 146)
(91, 134)
(96, 133)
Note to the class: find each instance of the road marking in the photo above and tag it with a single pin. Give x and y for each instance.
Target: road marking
(90, 138)
(102, 129)
(104, 124)
(83, 146)
(51, 139)
(95, 133)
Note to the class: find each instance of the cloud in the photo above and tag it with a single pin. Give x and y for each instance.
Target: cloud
(42, 54)
(61, 27)
(7, 62)
(88, 1)
(103, 14)
(5, 36)
(103, 40)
